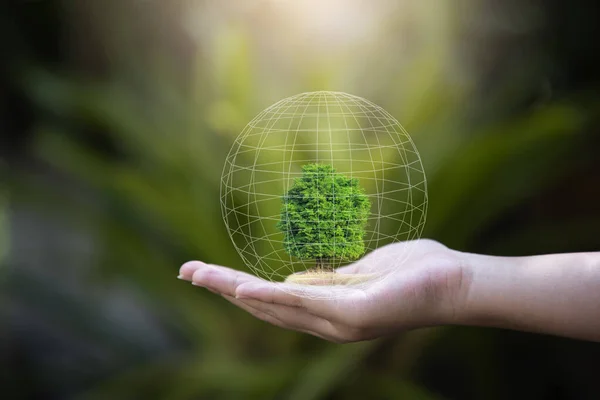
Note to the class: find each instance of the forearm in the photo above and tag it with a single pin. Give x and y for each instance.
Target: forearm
(556, 294)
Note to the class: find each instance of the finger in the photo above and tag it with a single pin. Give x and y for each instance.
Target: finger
(267, 317)
(269, 292)
(187, 270)
(294, 317)
(221, 279)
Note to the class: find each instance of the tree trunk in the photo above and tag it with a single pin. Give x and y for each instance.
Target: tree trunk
(324, 264)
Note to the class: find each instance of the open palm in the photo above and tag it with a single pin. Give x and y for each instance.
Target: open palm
(421, 292)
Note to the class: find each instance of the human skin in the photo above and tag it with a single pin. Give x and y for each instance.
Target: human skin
(556, 294)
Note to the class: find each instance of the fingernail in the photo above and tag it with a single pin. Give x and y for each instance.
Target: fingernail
(180, 277)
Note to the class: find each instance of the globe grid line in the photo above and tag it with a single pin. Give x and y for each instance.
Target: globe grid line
(376, 182)
(286, 185)
(300, 174)
(263, 137)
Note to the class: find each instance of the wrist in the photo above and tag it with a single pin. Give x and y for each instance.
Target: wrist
(483, 288)
(494, 295)
(452, 281)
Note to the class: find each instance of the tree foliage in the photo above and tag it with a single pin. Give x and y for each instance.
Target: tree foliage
(324, 216)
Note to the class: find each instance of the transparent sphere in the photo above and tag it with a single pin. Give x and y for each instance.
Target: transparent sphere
(360, 140)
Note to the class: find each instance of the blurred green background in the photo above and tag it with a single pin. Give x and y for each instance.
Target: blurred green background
(116, 117)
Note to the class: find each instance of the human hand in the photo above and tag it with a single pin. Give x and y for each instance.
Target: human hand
(424, 291)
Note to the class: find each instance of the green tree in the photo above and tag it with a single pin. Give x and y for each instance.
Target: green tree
(324, 215)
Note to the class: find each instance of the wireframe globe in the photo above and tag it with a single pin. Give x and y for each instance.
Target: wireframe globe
(361, 142)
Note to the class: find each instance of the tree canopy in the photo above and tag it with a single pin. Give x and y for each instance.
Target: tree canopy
(324, 216)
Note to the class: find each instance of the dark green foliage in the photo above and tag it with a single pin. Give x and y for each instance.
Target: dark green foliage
(324, 215)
